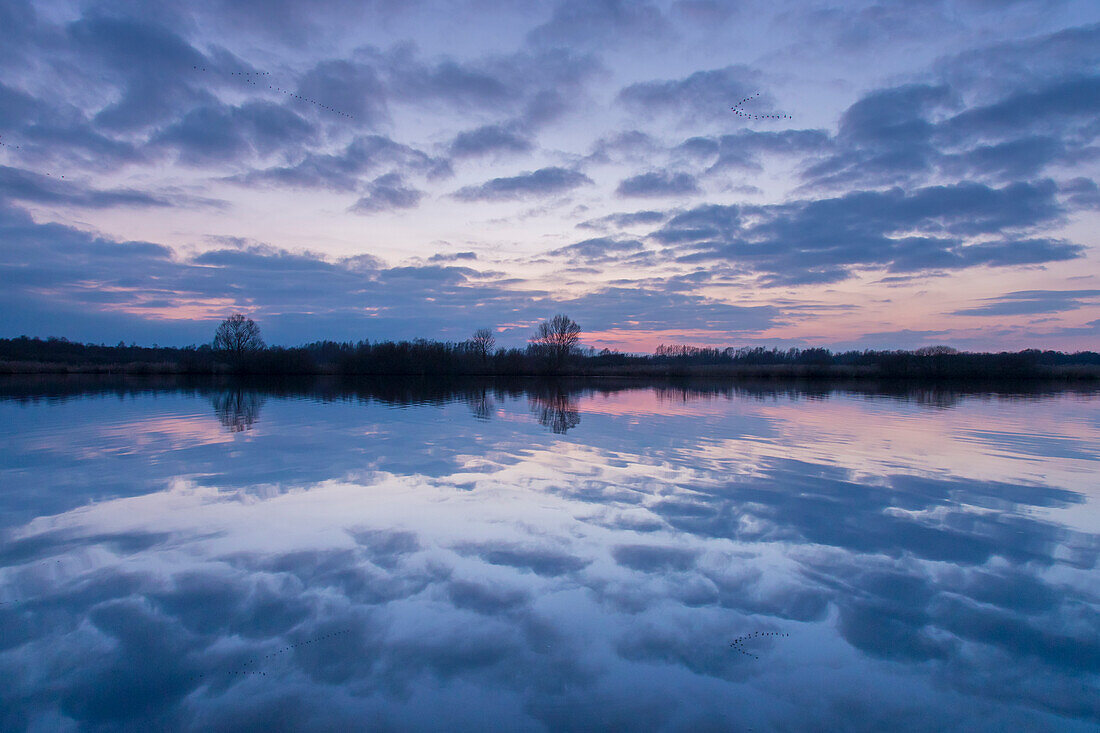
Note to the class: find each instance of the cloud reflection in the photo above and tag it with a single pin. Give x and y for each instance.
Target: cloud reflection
(430, 566)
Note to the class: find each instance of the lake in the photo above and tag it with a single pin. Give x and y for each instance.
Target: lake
(525, 555)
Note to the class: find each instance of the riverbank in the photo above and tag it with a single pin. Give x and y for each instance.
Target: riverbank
(909, 370)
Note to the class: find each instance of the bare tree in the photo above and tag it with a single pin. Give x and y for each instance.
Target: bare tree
(483, 342)
(238, 335)
(938, 350)
(557, 338)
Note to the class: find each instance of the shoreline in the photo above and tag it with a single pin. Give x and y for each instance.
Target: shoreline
(732, 372)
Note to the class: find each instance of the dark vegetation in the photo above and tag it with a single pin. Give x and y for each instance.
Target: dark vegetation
(553, 350)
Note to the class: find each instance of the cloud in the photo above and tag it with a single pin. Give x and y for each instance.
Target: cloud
(658, 184)
(824, 240)
(652, 559)
(743, 150)
(486, 599)
(910, 133)
(1026, 302)
(708, 13)
(163, 92)
(626, 146)
(594, 22)
(623, 220)
(160, 73)
(22, 185)
(453, 257)
(1016, 64)
(542, 182)
(67, 282)
(647, 305)
(387, 193)
(295, 25)
(1060, 105)
(1017, 159)
(488, 139)
(341, 171)
(601, 249)
(542, 561)
(704, 93)
(1082, 193)
(532, 87)
(457, 84)
(220, 134)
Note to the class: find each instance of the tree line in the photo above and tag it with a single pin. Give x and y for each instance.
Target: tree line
(553, 349)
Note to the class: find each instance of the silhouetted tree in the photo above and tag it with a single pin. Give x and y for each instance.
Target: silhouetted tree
(238, 336)
(935, 351)
(483, 342)
(557, 338)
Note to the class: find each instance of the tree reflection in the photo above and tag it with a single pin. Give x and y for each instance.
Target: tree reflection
(481, 403)
(554, 408)
(237, 409)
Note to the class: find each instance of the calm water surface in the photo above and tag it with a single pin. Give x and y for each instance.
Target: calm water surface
(546, 557)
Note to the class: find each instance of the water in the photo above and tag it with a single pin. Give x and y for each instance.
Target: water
(529, 556)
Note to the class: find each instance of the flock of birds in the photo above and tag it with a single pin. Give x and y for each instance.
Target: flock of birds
(252, 665)
(739, 641)
(16, 601)
(20, 147)
(249, 78)
(748, 116)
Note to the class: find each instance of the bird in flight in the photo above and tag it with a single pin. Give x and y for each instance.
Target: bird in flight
(737, 110)
(249, 78)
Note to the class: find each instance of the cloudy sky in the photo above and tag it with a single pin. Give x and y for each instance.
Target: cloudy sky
(902, 173)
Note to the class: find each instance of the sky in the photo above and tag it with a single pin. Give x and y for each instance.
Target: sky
(850, 175)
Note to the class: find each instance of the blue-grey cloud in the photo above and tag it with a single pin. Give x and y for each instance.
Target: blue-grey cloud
(353, 88)
(209, 134)
(488, 139)
(1061, 104)
(658, 184)
(164, 90)
(448, 81)
(342, 171)
(651, 558)
(601, 249)
(910, 133)
(156, 67)
(387, 193)
(823, 240)
(66, 282)
(595, 22)
(623, 220)
(22, 185)
(744, 150)
(704, 93)
(1027, 302)
(1082, 193)
(453, 257)
(625, 146)
(526, 85)
(542, 182)
(543, 561)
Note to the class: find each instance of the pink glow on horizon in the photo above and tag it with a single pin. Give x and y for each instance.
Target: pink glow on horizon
(648, 341)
